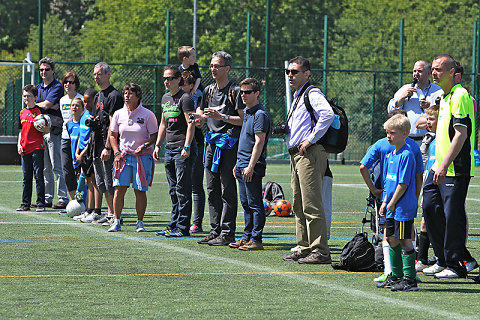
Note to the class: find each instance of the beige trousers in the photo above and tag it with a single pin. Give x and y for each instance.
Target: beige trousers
(307, 175)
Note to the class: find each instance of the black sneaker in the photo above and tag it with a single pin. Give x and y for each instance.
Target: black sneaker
(221, 241)
(406, 284)
(389, 282)
(206, 239)
(23, 207)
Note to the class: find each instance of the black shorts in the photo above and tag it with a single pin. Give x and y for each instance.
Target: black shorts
(87, 165)
(400, 230)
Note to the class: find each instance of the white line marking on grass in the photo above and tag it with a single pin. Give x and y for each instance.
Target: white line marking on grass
(403, 304)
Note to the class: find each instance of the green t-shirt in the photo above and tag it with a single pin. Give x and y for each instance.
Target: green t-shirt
(456, 109)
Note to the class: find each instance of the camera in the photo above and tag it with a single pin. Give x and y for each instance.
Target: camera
(93, 123)
(191, 118)
(281, 128)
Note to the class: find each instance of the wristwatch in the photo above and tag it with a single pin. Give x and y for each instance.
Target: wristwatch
(227, 117)
(186, 148)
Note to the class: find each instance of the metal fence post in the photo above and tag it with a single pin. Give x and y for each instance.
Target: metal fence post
(155, 81)
(267, 47)
(40, 31)
(325, 54)
(400, 54)
(372, 108)
(167, 37)
(247, 56)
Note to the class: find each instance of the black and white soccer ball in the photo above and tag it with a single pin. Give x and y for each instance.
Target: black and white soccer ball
(75, 208)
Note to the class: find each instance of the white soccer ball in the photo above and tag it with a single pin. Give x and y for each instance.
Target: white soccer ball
(42, 123)
(75, 208)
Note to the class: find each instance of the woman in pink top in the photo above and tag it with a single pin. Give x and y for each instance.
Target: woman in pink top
(134, 131)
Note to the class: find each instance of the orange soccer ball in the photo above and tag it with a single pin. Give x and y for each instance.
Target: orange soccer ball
(282, 208)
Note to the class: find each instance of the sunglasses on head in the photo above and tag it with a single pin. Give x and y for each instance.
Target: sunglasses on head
(246, 91)
(292, 72)
(169, 78)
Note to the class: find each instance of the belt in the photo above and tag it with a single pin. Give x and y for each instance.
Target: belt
(417, 138)
(294, 150)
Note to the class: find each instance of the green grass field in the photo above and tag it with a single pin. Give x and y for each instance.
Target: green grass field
(54, 268)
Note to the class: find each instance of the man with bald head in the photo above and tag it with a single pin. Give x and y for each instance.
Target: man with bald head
(415, 97)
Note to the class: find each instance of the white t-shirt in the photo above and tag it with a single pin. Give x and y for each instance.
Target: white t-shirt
(66, 113)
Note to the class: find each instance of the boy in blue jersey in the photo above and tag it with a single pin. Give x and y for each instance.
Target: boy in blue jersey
(400, 200)
(378, 152)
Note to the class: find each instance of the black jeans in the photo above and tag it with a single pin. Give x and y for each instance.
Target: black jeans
(32, 164)
(222, 191)
(67, 166)
(198, 193)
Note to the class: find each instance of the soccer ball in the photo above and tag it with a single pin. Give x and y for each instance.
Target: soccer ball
(282, 208)
(43, 121)
(75, 208)
(267, 206)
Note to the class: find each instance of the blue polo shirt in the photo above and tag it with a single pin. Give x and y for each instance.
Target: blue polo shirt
(73, 129)
(400, 168)
(53, 93)
(255, 120)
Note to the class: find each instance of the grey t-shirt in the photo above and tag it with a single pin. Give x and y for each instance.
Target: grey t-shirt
(226, 101)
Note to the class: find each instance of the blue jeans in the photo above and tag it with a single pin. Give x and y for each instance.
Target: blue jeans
(252, 203)
(32, 164)
(179, 176)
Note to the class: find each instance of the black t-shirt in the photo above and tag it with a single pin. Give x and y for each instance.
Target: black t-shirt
(173, 108)
(226, 101)
(195, 72)
(106, 102)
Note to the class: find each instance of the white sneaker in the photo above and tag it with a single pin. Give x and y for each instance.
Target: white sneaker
(446, 274)
(91, 217)
(80, 216)
(419, 267)
(294, 249)
(115, 227)
(140, 227)
(471, 265)
(430, 271)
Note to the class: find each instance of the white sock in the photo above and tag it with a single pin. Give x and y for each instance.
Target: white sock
(386, 258)
(117, 221)
(414, 245)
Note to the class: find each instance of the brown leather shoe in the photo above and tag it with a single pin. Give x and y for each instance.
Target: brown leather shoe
(294, 256)
(59, 205)
(237, 244)
(251, 245)
(316, 258)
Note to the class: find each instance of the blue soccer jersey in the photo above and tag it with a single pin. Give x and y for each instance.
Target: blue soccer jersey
(85, 130)
(73, 129)
(431, 156)
(400, 168)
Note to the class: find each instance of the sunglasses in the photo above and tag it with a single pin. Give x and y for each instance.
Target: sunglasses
(216, 66)
(46, 69)
(169, 78)
(246, 91)
(69, 82)
(292, 72)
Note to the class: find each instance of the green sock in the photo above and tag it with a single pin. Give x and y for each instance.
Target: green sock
(396, 261)
(408, 259)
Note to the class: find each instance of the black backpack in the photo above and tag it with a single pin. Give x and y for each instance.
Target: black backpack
(273, 192)
(357, 255)
(336, 138)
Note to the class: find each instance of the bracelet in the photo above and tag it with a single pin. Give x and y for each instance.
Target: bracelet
(116, 154)
(108, 149)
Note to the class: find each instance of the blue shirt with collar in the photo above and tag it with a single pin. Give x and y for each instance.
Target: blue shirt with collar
(53, 92)
(256, 119)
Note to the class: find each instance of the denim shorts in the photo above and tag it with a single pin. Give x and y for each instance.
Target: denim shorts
(130, 174)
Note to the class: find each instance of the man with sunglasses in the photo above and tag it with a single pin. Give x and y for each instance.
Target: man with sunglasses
(308, 163)
(222, 108)
(50, 91)
(415, 97)
(445, 189)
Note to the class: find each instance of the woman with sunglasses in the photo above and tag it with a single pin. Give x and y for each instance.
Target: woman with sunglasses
(70, 83)
(176, 128)
(133, 133)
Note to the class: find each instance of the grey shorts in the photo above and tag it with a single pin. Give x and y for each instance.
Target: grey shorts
(104, 174)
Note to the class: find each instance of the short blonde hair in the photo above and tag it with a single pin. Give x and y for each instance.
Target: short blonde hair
(432, 110)
(399, 122)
